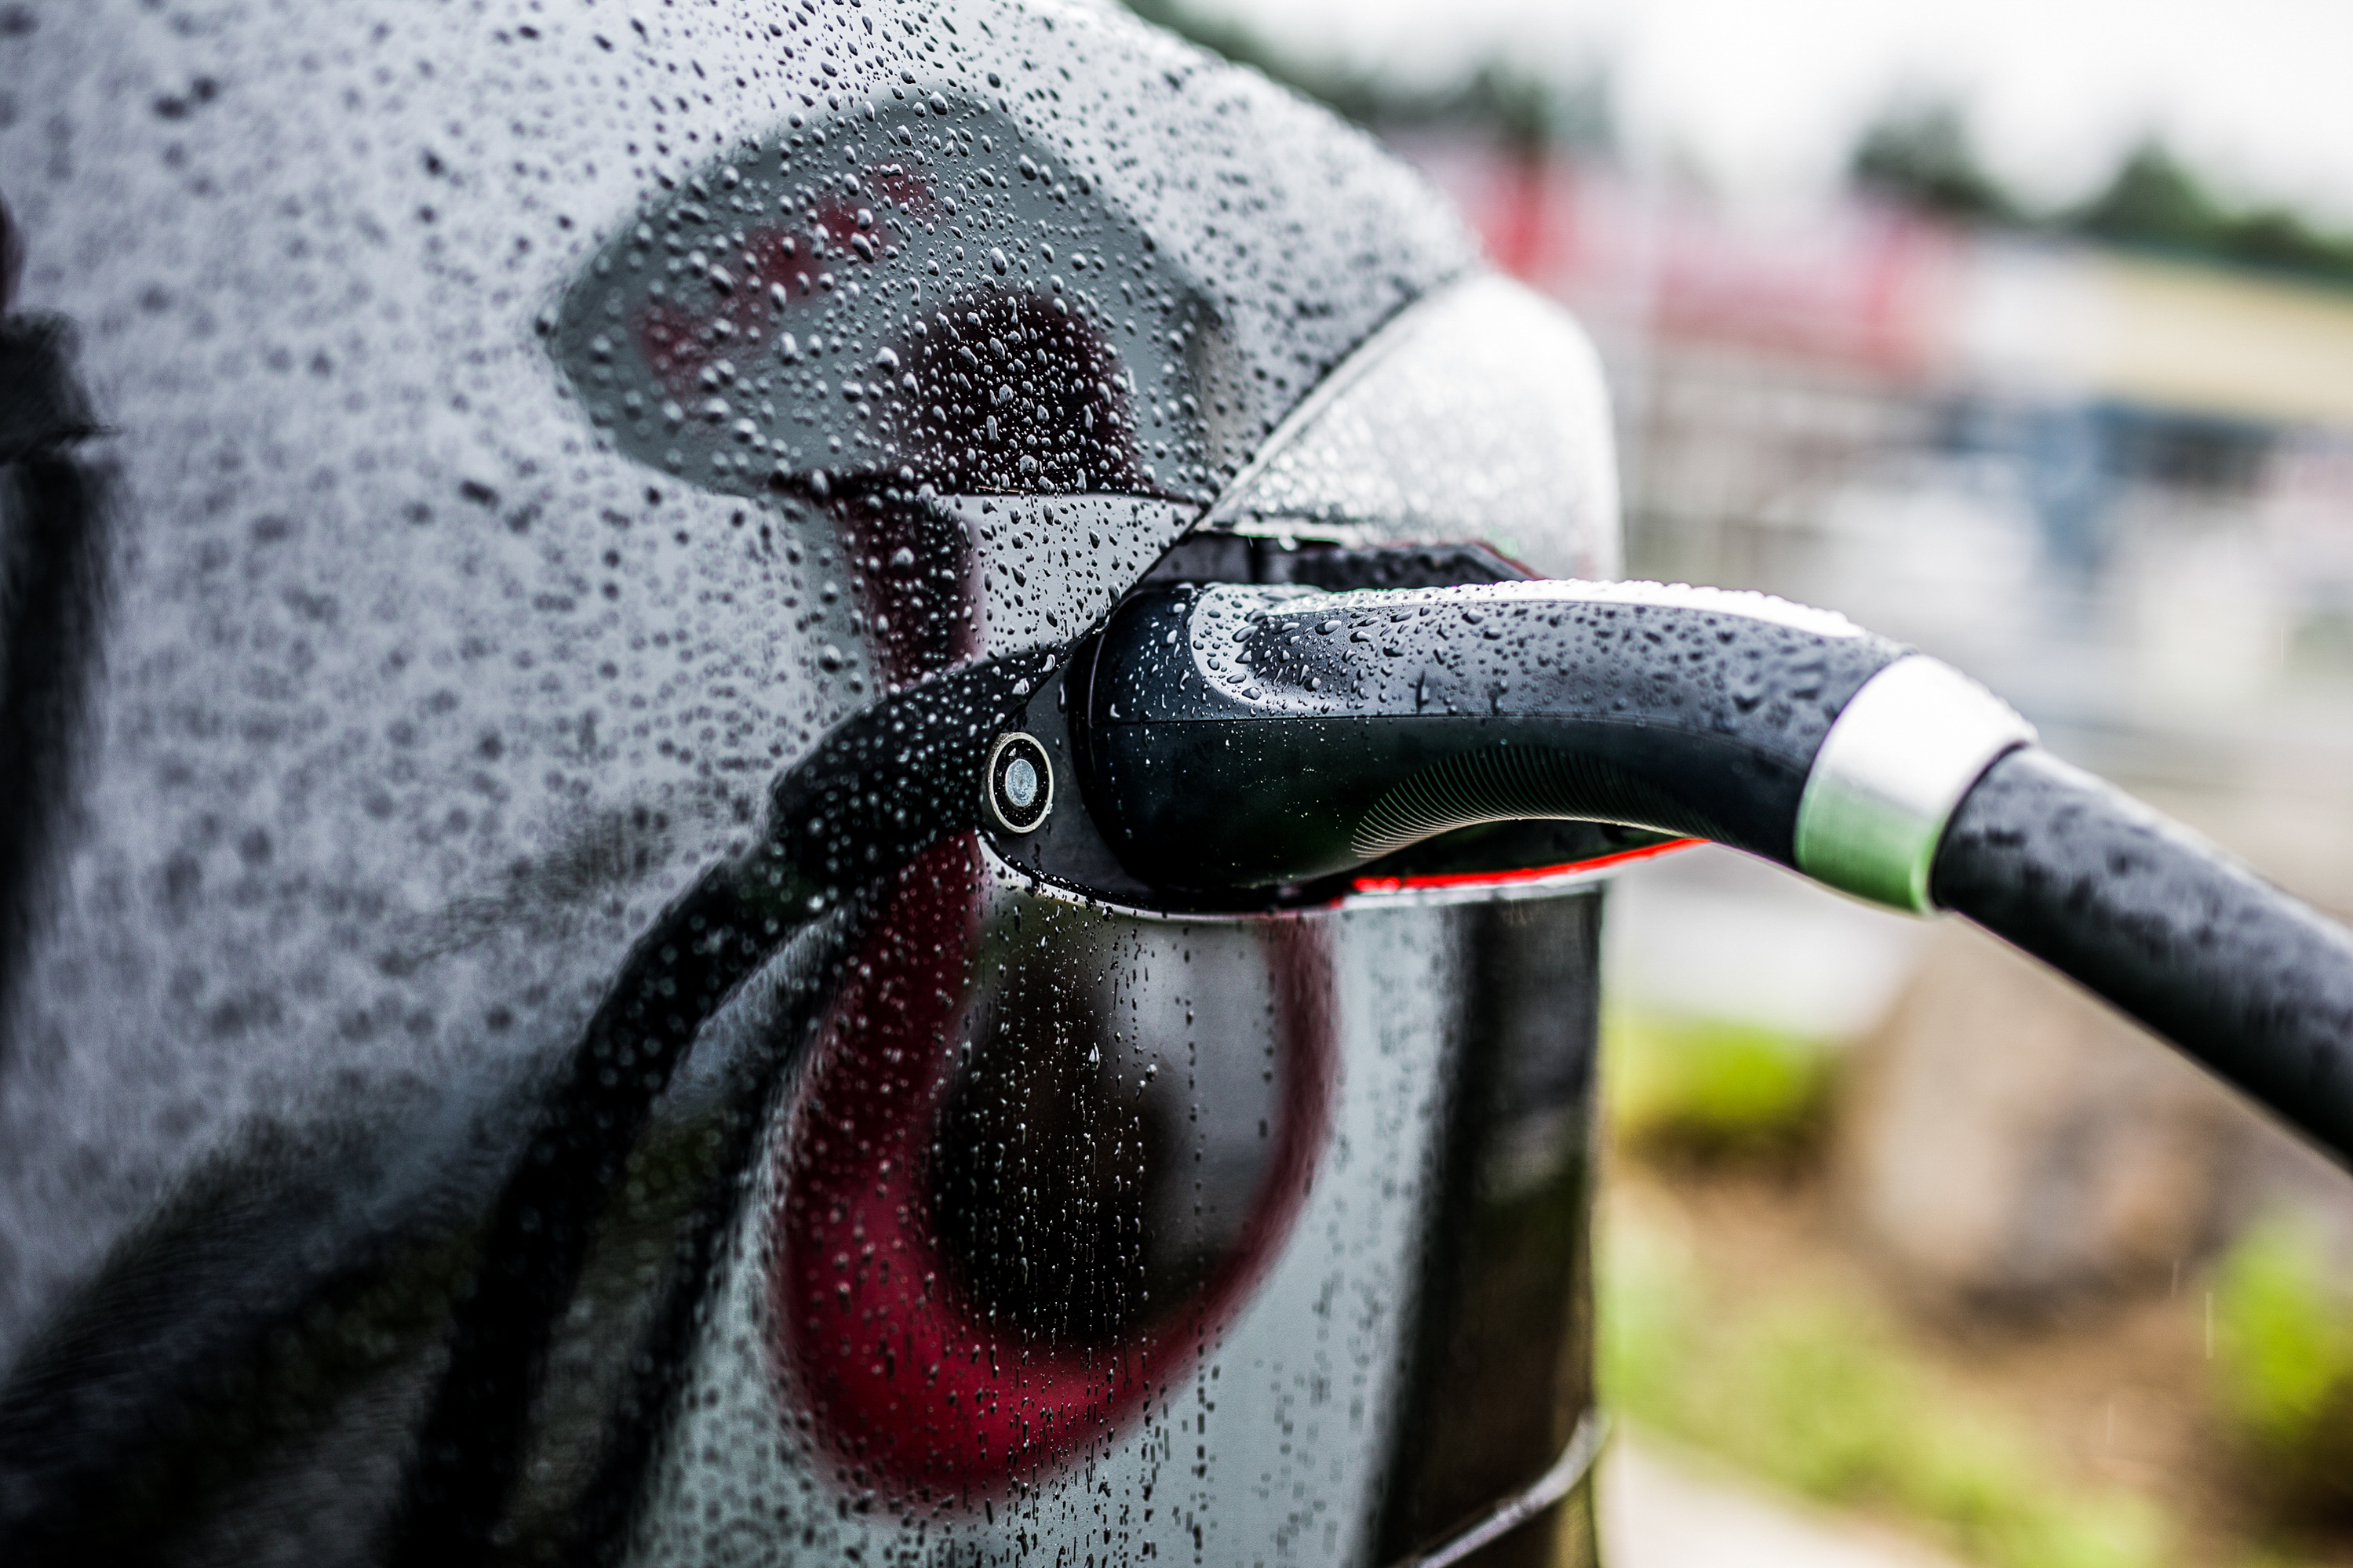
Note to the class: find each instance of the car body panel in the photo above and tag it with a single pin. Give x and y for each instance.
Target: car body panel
(415, 688)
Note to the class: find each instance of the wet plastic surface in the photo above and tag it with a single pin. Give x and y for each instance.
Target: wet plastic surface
(1253, 736)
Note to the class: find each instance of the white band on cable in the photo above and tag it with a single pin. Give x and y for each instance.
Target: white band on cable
(1897, 761)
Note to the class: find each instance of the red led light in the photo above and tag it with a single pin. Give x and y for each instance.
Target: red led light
(1508, 878)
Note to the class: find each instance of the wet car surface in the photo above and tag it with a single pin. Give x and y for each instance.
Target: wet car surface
(518, 1046)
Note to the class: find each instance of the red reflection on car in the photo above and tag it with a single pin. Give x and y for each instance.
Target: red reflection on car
(921, 1369)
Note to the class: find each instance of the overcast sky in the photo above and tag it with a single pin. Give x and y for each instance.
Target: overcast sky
(1765, 94)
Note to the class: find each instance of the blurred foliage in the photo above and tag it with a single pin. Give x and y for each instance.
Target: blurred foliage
(1918, 153)
(2155, 199)
(1709, 1089)
(1812, 1390)
(1523, 107)
(2284, 1340)
(2320, 642)
(1922, 154)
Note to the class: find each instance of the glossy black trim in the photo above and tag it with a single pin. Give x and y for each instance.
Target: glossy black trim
(1529, 1503)
(1500, 1349)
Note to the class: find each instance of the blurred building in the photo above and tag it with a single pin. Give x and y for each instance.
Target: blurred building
(2118, 488)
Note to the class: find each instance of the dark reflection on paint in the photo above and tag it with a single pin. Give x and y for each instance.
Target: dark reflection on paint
(915, 564)
(1044, 1170)
(844, 342)
(1038, 1162)
(1027, 391)
(53, 515)
(1503, 1349)
(1077, 1194)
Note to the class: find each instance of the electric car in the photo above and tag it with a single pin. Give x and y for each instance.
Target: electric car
(829, 780)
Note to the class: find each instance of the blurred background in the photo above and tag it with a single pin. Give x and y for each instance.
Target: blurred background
(2022, 332)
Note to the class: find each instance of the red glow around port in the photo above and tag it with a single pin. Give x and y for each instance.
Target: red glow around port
(1506, 878)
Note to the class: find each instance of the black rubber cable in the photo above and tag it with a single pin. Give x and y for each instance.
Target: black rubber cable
(2244, 978)
(1249, 737)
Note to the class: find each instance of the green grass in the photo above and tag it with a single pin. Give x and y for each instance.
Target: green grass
(1815, 1393)
(1710, 1087)
(2284, 1346)
(1818, 1391)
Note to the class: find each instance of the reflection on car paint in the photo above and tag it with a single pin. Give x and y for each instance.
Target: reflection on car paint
(431, 683)
(1008, 1225)
(1416, 1349)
